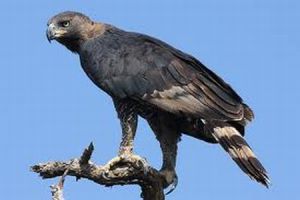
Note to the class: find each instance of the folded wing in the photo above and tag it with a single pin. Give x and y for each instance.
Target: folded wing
(177, 83)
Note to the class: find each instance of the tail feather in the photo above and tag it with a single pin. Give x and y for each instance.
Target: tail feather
(232, 141)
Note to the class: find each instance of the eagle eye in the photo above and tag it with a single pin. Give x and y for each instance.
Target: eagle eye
(65, 24)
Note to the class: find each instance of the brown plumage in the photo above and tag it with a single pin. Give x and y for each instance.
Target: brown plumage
(239, 150)
(172, 90)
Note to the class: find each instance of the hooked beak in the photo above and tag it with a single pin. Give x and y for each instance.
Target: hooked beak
(51, 32)
(54, 33)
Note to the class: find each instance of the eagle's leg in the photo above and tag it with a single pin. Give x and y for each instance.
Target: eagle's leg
(168, 135)
(127, 114)
(128, 119)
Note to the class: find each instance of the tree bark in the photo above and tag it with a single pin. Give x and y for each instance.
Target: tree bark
(119, 171)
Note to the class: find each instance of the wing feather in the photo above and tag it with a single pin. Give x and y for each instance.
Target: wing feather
(176, 82)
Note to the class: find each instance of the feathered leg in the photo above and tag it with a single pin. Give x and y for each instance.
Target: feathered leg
(128, 119)
(168, 135)
(127, 114)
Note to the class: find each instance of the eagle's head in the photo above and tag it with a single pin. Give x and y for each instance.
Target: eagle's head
(72, 29)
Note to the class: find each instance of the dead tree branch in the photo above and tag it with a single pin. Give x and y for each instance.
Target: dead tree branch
(57, 190)
(118, 171)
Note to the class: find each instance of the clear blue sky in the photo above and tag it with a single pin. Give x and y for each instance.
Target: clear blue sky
(49, 109)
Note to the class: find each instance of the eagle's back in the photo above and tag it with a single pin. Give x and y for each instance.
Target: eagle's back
(136, 66)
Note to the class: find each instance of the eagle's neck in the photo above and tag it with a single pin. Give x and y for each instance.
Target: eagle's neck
(88, 32)
(73, 44)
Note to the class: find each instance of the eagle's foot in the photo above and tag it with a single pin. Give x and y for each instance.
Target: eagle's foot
(170, 180)
(113, 162)
(140, 161)
(128, 157)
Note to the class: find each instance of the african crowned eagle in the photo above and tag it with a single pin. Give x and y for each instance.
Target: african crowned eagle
(173, 91)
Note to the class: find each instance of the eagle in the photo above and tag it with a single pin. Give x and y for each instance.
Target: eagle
(172, 90)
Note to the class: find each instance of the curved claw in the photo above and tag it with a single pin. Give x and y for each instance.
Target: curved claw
(138, 159)
(113, 161)
(172, 186)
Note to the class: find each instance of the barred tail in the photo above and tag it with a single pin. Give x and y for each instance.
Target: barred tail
(232, 141)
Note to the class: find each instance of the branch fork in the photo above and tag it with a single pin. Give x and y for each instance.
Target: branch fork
(128, 170)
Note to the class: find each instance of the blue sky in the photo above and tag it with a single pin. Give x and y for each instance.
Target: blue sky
(49, 109)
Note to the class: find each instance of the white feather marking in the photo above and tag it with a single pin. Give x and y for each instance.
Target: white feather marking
(175, 99)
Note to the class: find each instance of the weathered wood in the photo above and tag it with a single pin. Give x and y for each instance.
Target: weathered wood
(119, 171)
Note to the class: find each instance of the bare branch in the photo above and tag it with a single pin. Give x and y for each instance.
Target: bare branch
(57, 190)
(86, 155)
(119, 171)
